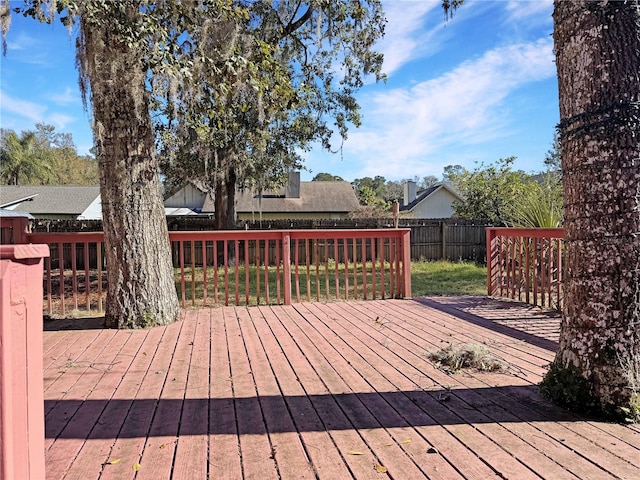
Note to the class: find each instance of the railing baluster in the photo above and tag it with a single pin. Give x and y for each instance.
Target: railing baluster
(364, 268)
(278, 244)
(296, 257)
(266, 272)
(193, 273)
(205, 266)
(61, 278)
(99, 261)
(182, 285)
(308, 265)
(225, 252)
(345, 249)
(237, 277)
(355, 268)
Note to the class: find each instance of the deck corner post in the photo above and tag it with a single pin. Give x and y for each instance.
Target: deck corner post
(21, 363)
(286, 266)
(490, 236)
(406, 264)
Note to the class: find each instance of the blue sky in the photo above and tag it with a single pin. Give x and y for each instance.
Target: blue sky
(477, 88)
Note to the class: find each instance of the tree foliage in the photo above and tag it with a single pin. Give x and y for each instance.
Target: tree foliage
(491, 193)
(327, 177)
(44, 157)
(278, 77)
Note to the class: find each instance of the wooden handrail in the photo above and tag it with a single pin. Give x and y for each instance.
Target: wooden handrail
(243, 266)
(526, 264)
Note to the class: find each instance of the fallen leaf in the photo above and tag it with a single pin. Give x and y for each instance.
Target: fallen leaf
(355, 452)
(388, 444)
(136, 467)
(164, 445)
(381, 469)
(432, 450)
(113, 462)
(407, 440)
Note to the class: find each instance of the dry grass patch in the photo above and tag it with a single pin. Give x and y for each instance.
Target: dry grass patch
(454, 358)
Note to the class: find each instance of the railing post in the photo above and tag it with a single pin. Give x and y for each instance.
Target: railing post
(406, 264)
(286, 266)
(490, 236)
(21, 367)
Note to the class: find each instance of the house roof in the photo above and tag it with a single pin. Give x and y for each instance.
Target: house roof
(14, 214)
(49, 199)
(337, 197)
(424, 194)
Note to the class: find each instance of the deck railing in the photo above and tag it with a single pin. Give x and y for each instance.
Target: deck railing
(241, 267)
(526, 265)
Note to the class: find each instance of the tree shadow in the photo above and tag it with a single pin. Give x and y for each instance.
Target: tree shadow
(456, 310)
(129, 418)
(85, 323)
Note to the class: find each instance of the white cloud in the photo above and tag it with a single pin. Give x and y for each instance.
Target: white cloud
(462, 107)
(405, 35)
(526, 10)
(31, 111)
(23, 108)
(68, 96)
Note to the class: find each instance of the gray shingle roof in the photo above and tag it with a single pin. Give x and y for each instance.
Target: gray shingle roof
(50, 199)
(329, 197)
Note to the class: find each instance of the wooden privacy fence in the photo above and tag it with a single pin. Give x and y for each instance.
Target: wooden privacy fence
(431, 239)
(526, 265)
(242, 267)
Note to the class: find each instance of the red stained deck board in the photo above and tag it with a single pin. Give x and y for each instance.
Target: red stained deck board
(87, 415)
(95, 452)
(317, 381)
(357, 399)
(287, 450)
(160, 448)
(192, 449)
(468, 403)
(318, 444)
(224, 452)
(255, 444)
(502, 460)
(129, 445)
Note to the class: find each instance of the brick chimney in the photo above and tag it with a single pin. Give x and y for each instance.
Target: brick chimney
(293, 186)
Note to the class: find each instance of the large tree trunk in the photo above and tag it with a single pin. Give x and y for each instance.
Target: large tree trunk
(598, 60)
(225, 199)
(141, 289)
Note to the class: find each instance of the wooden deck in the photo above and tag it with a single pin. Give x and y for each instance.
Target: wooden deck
(339, 390)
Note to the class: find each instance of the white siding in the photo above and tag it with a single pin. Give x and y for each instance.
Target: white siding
(93, 211)
(187, 197)
(437, 205)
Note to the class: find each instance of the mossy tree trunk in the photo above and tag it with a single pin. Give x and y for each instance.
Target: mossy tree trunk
(141, 289)
(598, 61)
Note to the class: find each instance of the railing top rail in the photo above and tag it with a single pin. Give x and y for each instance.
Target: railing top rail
(65, 237)
(81, 237)
(527, 232)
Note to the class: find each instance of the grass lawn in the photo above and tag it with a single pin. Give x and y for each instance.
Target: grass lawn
(448, 278)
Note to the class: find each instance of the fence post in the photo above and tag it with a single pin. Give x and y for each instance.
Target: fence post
(286, 266)
(443, 239)
(490, 236)
(406, 264)
(21, 368)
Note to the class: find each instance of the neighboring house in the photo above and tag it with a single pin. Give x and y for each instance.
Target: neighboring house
(433, 202)
(64, 202)
(53, 201)
(189, 197)
(299, 200)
